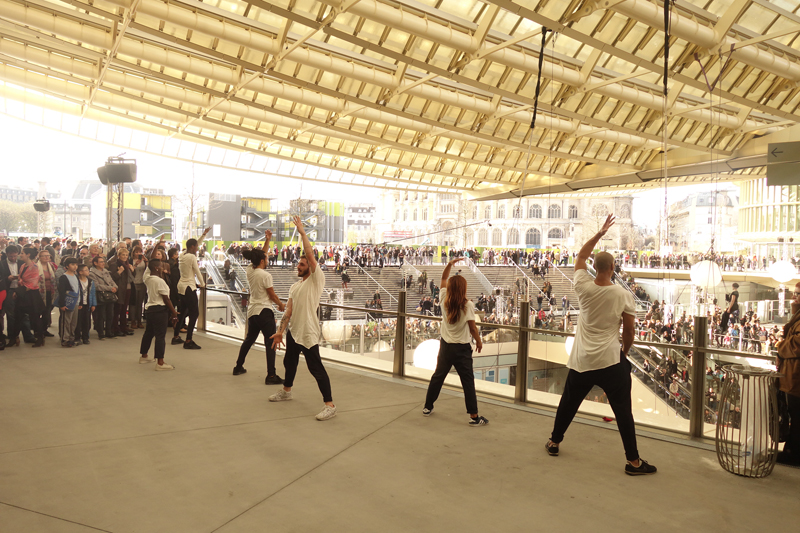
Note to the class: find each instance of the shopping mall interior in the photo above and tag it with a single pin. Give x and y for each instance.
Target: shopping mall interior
(499, 133)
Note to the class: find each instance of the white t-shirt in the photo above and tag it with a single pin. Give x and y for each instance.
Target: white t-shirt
(457, 333)
(156, 287)
(259, 280)
(305, 295)
(597, 337)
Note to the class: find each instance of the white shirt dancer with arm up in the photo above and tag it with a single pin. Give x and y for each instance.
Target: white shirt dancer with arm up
(596, 357)
(187, 295)
(302, 321)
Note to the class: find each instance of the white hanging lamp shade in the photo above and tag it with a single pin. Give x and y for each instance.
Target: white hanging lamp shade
(782, 271)
(706, 274)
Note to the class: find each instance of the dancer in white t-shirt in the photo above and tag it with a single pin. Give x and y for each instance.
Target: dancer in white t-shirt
(596, 357)
(260, 317)
(303, 323)
(455, 350)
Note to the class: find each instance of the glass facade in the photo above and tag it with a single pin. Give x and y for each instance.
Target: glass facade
(766, 213)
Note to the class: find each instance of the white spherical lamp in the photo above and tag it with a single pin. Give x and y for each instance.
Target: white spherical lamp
(706, 274)
(568, 345)
(426, 354)
(336, 331)
(782, 271)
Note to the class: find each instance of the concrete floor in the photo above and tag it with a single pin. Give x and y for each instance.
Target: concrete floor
(92, 441)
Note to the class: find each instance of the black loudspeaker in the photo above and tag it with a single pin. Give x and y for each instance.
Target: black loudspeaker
(117, 173)
(41, 205)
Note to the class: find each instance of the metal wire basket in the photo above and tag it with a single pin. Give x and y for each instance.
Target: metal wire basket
(747, 421)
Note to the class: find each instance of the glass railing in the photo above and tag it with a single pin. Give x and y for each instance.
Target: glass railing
(406, 345)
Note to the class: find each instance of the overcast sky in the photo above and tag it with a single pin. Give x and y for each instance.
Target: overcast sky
(32, 153)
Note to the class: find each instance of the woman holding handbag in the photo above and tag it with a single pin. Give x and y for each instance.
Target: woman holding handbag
(106, 291)
(789, 383)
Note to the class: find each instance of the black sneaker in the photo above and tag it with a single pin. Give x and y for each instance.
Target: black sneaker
(86, 342)
(478, 421)
(552, 448)
(190, 345)
(177, 340)
(273, 380)
(238, 370)
(643, 469)
(48, 334)
(426, 411)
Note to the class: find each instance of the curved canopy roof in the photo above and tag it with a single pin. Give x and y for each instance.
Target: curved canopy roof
(416, 94)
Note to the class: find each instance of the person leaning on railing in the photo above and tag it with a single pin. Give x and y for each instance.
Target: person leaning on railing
(789, 367)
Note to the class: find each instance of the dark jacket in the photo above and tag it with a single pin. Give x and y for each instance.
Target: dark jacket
(63, 288)
(5, 272)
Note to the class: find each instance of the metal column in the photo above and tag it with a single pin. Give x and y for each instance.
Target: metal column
(698, 385)
(521, 385)
(399, 368)
(201, 304)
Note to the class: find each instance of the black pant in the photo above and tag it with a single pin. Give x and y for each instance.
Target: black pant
(615, 380)
(793, 444)
(314, 362)
(157, 324)
(264, 322)
(189, 308)
(84, 323)
(47, 310)
(459, 356)
(14, 324)
(104, 318)
(29, 302)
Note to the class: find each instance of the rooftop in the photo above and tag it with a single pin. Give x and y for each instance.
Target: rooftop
(94, 441)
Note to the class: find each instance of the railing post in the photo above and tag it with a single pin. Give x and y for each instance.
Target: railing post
(399, 367)
(202, 300)
(521, 385)
(696, 404)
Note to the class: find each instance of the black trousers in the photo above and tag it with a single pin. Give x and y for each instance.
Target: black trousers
(157, 324)
(29, 302)
(14, 324)
(793, 444)
(459, 356)
(615, 380)
(263, 323)
(103, 318)
(314, 362)
(189, 308)
(84, 323)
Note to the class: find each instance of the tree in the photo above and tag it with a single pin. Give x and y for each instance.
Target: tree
(191, 201)
(16, 217)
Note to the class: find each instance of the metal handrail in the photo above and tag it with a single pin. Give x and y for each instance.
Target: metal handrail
(482, 279)
(376, 281)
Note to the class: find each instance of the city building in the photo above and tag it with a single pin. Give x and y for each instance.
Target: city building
(533, 222)
(259, 215)
(147, 213)
(19, 195)
(699, 217)
(358, 222)
(155, 215)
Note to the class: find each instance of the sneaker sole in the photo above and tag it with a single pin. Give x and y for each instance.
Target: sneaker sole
(280, 399)
(324, 419)
(427, 414)
(640, 473)
(550, 453)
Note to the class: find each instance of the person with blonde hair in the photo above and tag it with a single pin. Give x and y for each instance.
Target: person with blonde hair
(455, 350)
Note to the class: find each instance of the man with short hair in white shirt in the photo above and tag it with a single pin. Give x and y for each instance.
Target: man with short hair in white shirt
(596, 357)
(303, 323)
(187, 295)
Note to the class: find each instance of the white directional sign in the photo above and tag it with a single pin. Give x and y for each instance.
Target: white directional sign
(783, 163)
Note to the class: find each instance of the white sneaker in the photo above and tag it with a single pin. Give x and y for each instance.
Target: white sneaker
(281, 396)
(165, 366)
(143, 360)
(327, 413)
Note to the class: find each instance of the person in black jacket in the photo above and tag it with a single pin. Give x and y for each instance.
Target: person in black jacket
(9, 271)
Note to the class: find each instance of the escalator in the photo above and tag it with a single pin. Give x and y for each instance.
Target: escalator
(217, 280)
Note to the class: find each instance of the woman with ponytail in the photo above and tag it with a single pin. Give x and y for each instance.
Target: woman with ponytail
(458, 325)
(260, 317)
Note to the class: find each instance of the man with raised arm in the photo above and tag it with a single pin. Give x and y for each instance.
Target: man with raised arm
(301, 319)
(187, 295)
(596, 357)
